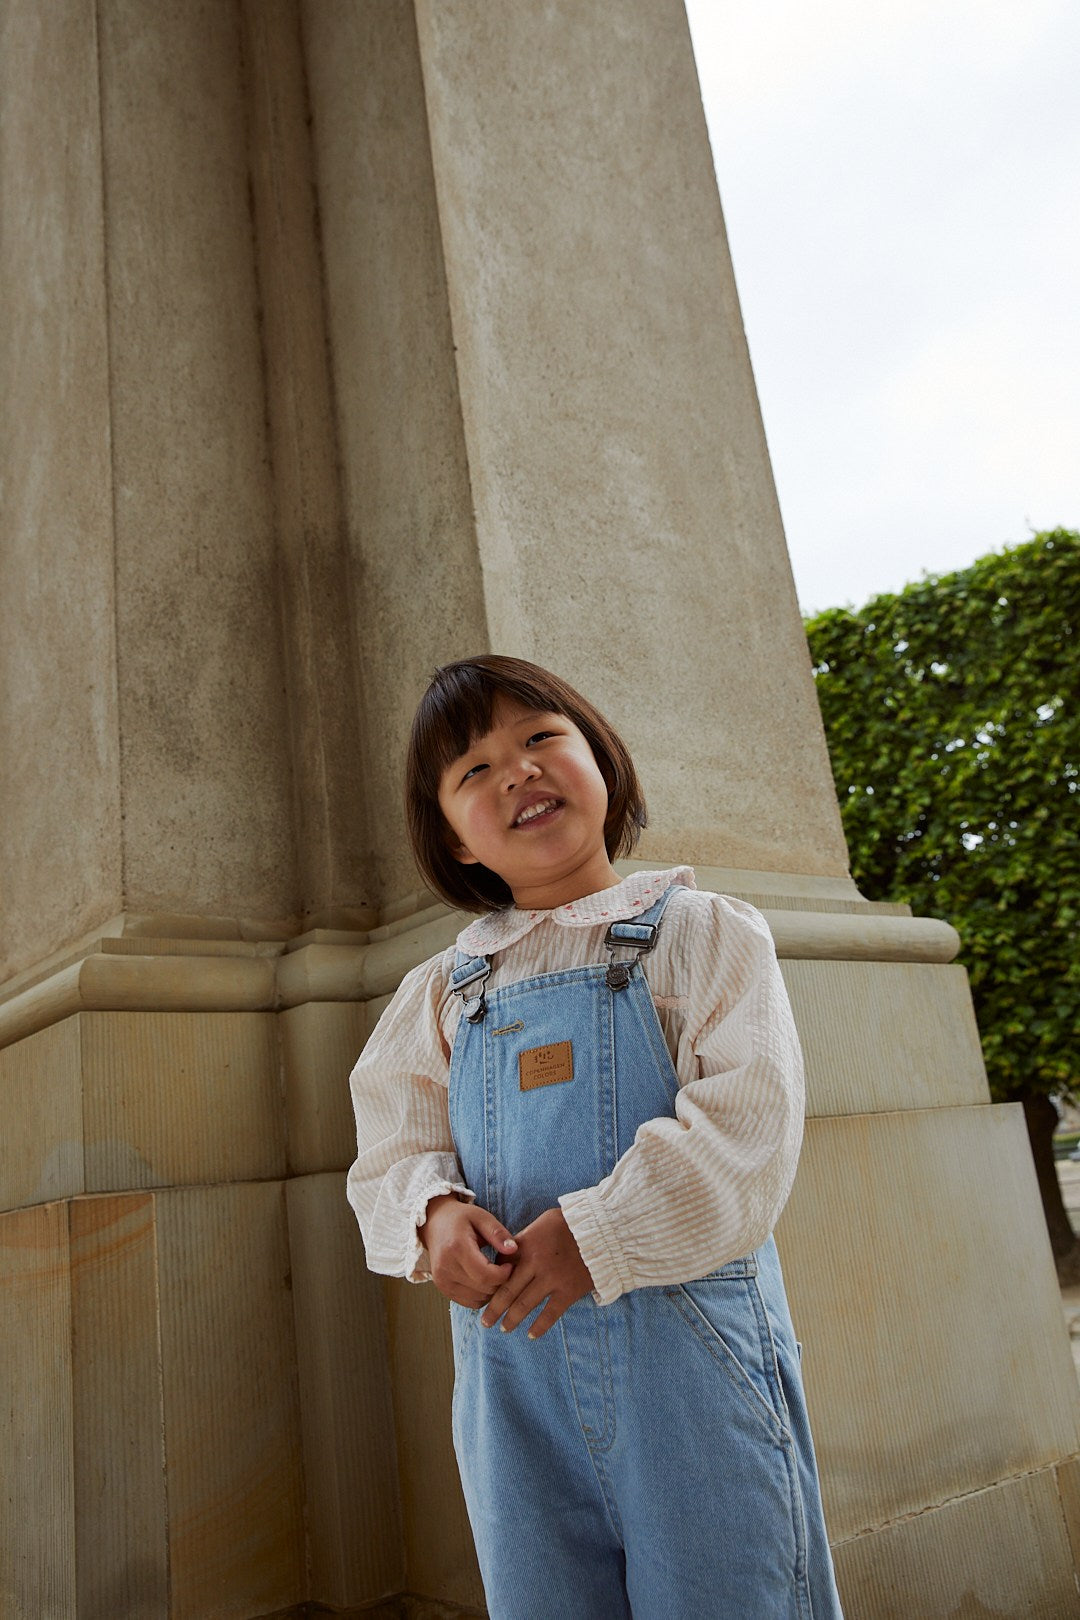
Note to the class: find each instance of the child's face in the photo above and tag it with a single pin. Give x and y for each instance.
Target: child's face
(528, 801)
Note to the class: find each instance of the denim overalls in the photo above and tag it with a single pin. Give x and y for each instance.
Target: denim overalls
(648, 1458)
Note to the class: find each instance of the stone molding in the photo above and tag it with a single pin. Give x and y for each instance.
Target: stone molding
(143, 974)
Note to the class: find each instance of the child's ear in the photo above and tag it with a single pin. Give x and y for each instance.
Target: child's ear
(458, 850)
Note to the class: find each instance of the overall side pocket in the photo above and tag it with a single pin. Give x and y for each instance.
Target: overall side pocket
(727, 1317)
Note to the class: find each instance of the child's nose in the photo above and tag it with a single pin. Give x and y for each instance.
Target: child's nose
(521, 770)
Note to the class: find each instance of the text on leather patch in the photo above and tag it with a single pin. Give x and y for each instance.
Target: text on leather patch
(546, 1065)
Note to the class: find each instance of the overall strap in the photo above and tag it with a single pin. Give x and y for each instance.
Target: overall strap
(636, 934)
(468, 979)
(469, 976)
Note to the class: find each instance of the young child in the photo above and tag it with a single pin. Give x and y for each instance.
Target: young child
(582, 1124)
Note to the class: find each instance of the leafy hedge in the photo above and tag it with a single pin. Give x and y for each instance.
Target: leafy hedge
(952, 712)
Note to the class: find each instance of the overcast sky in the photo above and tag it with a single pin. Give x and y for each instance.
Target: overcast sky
(900, 184)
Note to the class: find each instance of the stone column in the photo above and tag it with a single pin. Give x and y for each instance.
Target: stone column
(343, 340)
(200, 1412)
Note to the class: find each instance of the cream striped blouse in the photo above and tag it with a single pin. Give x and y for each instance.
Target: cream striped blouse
(692, 1192)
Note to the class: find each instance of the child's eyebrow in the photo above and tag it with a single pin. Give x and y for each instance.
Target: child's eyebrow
(473, 746)
(525, 717)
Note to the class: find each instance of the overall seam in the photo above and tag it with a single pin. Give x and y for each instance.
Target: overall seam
(768, 1354)
(491, 1125)
(606, 1043)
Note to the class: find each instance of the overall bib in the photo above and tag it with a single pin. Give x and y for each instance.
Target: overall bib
(650, 1458)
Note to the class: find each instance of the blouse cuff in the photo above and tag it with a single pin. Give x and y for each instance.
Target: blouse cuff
(417, 1265)
(599, 1245)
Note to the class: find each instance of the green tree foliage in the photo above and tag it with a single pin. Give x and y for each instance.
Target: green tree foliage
(952, 712)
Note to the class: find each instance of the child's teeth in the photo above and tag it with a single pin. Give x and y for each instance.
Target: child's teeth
(535, 810)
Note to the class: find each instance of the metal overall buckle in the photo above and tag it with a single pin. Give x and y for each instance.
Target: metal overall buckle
(640, 938)
(474, 1006)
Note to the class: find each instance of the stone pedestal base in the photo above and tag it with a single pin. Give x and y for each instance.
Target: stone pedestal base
(217, 1411)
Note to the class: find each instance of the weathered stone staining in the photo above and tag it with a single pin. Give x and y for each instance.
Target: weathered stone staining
(340, 340)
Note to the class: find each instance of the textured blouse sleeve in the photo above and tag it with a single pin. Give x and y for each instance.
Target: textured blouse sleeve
(404, 1147)
(706, 1187)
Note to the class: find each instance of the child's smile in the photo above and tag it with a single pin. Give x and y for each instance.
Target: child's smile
(541, 810)
(529, 802)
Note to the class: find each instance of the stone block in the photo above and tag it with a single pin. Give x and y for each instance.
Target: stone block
(352, 1502)
(439, 1554)
(886, 1035)
(998, 1552)
(230, 1402)
(113, 1101)
(397, 406)
(326, 734)
(60, 855)
(119, 1454)
(177, 1097)
(921, 1282)
(41, 1105)
(626, 519)
(37, 1506)
(1068, 1484)
(208, 823)
(321, 1041)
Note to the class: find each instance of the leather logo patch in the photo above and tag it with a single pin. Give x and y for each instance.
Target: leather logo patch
(546, 1065)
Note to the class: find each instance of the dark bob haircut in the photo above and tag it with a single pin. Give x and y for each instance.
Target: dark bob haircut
(455, 711)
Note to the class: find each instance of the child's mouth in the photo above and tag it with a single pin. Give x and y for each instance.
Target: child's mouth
(542, 811)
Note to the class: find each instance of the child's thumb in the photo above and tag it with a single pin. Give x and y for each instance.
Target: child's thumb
(498, 1236)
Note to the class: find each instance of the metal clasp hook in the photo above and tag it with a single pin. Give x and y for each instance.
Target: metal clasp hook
(640, 938)
(474, 1004)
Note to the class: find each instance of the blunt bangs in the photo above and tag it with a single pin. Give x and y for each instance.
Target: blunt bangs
(454, 712)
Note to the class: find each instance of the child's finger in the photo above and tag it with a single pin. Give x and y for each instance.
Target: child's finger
(477, 1271)
(547, 1318)
(514, 1300)
(493, 1231)
(505, 1296)
(559, 1302)
(524, 1305)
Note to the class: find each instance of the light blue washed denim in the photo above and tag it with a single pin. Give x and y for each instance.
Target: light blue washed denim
(648, 1458)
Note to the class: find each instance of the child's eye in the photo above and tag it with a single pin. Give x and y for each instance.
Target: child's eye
(539, 736)
(472, 771)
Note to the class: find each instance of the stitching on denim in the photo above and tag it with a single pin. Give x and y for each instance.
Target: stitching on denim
(597, 1446)
(570, 1373)
(768, 1353)
(492, 1192)
(721, 1352)
(594, 1442)
(798, 1514)
(607, 1493)
(607, 1384)
(801, 1571)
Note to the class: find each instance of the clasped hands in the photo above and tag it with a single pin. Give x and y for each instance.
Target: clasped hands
(543, 1262)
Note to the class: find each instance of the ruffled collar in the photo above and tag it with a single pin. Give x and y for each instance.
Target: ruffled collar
(498, 930)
